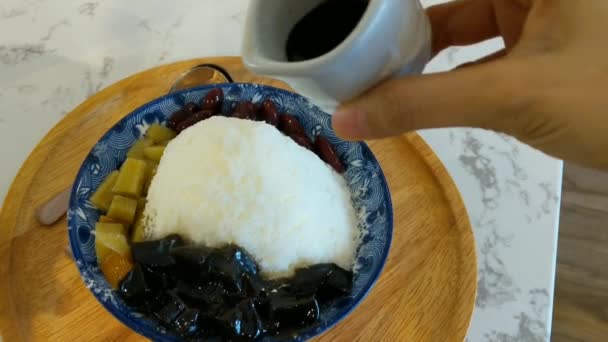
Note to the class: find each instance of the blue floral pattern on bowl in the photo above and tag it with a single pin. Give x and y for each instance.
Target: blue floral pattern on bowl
(368, 187)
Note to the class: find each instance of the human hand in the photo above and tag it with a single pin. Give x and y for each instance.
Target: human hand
(547, 88)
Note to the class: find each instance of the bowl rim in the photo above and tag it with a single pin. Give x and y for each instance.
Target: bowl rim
(135, 323)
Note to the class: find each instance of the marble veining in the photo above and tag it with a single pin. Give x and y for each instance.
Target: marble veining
(551, 198)
(238, 16)
(26, 88)
(56, 100)
(495, 286)
(88, 8)
(91, 86)
(108, 64)
(146, 26)
(531, 326)
(13, 54)
(63, 52)
(163, 55)
(512, 207)
(13, 12)
(482, 168)
(52, 30)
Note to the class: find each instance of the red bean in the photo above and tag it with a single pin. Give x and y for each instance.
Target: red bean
(192, 107)
(177, 118)
(268, 112)
(328, 154)
(302, 140)
(193, 119)
(244, 110)
(257, 107)
(213, 100)
(289, 125)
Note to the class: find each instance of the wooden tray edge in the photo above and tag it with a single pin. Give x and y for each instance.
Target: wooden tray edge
(456, 203)
(19, 190)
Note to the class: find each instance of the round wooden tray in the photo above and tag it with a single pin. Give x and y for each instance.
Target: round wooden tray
(426, 291)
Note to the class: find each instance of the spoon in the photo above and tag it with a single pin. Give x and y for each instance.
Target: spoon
(52, 210)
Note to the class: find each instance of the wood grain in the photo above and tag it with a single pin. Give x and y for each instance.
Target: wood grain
(581, 296)
(426, 292)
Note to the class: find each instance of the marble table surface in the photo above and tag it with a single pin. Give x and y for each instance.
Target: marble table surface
(54, 54)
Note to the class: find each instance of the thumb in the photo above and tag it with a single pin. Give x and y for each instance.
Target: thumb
(478, 96)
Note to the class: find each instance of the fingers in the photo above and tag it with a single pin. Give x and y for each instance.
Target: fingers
(479, 94)
(462, 22)
(465, 22)
(471, 97)
(489, 58)
(511, 19)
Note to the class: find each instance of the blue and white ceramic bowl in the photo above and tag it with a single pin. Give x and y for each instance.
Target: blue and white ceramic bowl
(369, 191)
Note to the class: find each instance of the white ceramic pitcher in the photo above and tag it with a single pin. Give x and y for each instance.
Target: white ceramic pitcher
(393, 38)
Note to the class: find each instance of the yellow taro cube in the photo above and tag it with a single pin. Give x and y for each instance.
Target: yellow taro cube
(154, 153)
(123, 209)
(159, 133)
(103, 195)
(102, 250)
(137, 150)
(130, 181)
